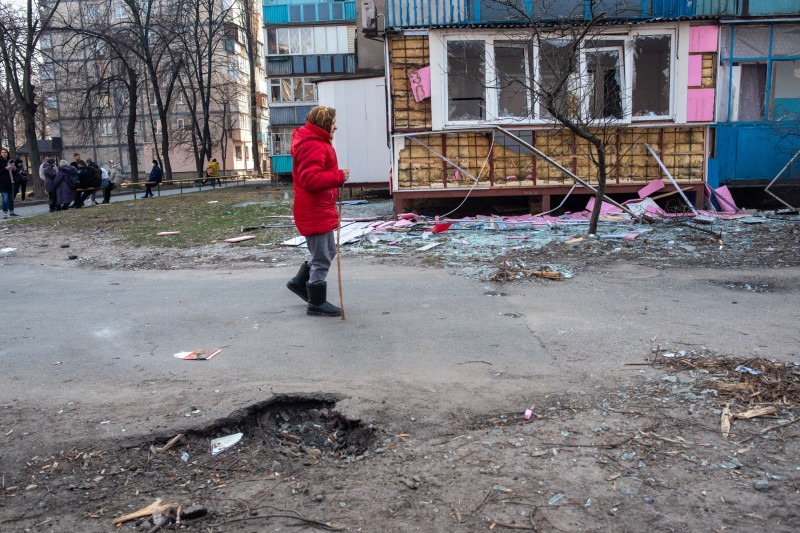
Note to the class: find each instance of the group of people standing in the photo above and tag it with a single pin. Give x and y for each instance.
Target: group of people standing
(62, 182)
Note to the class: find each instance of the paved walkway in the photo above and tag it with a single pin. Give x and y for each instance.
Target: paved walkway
(32, 208)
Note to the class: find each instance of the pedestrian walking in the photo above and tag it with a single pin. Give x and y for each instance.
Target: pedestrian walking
(317, 177)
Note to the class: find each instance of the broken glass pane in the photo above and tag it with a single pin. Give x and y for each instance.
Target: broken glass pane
(604, 84)
(286, 90)
(651, 75)
(784, 98)
(512, 83)
(558, 81)
(465, 80)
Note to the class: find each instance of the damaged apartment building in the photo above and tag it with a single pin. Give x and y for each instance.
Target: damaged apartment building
(707, 92)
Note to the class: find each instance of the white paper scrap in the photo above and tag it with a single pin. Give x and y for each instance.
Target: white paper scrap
(223, 443)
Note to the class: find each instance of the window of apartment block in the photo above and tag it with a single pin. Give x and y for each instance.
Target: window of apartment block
(307, 40)
(47, 72)
(119, 11)
(528, 78)
(466, 80)
(237, 152)
(309, 91)
(46, 41)
(103, 100)
(281, 141)
(106, 128)
(247, 153)
(180, 123)
(759, 73)
(784, 97)
(604, 83)
(51, 102)
(650, 91)
(93, 12)
(557, 77)
(512, 74)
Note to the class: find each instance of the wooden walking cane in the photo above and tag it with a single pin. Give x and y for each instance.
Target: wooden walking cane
(338, 256)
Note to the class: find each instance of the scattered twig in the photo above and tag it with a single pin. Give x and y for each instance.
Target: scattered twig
(468, 362)
(767, 430)
(317, 523)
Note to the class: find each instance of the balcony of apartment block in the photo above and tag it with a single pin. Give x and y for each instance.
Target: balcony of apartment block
(289, 115)
(316, 64)
(747, 8)
(305, 12)
(432, 13)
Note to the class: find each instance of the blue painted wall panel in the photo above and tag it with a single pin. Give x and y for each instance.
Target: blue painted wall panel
(774, 7)
(282, 164)
(765, 149)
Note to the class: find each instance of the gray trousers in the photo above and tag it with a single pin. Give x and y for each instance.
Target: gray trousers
(323, 251)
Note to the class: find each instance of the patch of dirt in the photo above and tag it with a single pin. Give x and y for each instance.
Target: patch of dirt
(647, 452)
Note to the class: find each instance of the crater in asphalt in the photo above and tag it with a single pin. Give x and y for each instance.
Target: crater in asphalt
(754, 285)
(302, 424)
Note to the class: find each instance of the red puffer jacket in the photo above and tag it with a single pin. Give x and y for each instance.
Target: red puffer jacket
(316, 177)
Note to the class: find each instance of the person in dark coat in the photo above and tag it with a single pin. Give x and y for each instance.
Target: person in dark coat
(20, 172)
(48, 173)
(64, 195)
(7, 183)
(316, 176)
(87, 179)
(155, 177)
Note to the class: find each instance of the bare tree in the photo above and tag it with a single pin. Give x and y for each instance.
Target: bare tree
(154, 41)
(20, 31)
(115, 94)
(206, 22)
(9, 116)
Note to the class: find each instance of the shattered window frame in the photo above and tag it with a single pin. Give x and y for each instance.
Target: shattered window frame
(621, 40)
(463, 104)
(510, 86)
(639, 113)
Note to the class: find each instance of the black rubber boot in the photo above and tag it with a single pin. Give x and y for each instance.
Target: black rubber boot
(317, 301)
(298, 283)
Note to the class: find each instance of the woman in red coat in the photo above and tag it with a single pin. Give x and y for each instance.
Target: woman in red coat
(316, 176)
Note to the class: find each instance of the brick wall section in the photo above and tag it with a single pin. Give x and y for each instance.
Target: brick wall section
(709, 70)
(407, 53)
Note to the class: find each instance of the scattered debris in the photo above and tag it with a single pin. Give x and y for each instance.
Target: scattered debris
(221, 444)
(628, 486)
(197, 355)
(172, 442)
(164, 233)
(8, 251)
(154, 509)
(240, 239)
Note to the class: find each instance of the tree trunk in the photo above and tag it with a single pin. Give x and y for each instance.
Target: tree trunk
(34, 160)
(602, 174)
(133, 155)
